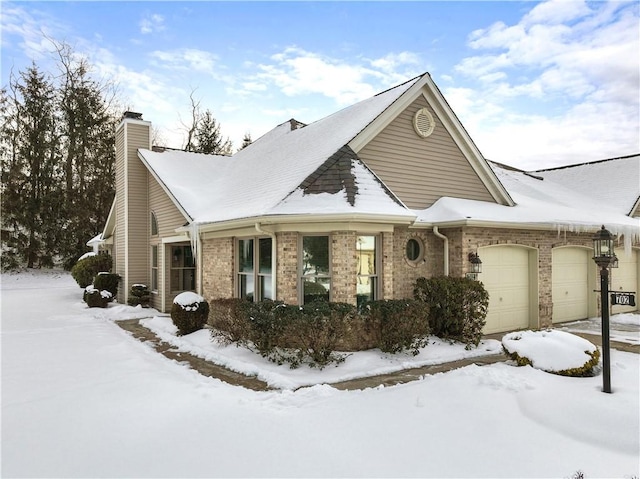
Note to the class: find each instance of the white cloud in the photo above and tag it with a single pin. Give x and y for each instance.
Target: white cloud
(187, 59)
(151, 24)
(298, 72)
(577, 62)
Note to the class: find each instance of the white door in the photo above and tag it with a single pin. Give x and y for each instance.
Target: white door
(625, 278)
(570, 283)
(505, 275)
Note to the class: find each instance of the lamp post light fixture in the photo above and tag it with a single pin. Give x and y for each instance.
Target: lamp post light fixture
(604, 258)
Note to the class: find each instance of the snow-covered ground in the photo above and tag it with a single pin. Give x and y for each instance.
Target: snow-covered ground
(82, 398)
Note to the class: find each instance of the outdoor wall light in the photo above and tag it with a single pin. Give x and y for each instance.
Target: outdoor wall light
(476, 263)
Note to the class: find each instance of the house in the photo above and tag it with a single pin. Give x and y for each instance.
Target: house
(358, 205)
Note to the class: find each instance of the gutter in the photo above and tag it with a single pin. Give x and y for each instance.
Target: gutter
(446, 249)
(274, 259)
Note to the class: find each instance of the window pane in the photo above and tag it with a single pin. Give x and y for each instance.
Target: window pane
(315, 255)
(266, 291)
(366, 290)
(154, 256)
(366, 248)
(188, 257)
(316, 289)
(188, 280)
(264, 258)
(246, 286)
(245, 251)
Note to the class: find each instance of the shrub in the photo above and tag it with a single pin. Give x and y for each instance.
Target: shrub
(457, 307)
(96, 298)
(229, 320)
(87, 268)
(400, 325)
(139, 295)
(553, 351)
(108, 282)
(189, 312)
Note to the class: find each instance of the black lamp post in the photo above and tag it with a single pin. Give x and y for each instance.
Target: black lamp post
(604, 257)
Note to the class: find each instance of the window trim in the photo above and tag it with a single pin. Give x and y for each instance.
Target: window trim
(419, 259)
(154, 225)
(182, 268)
(376, 265)
(155, 278)
(258, 294)
(302, 276)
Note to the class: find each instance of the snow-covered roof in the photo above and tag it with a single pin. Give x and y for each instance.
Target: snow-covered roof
(539, 202)
(614, 182)
(256, 179)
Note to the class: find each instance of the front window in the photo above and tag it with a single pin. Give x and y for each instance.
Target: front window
(255, 283)
(154, 268)
(367, 283)
(316, 272)
(183, 269)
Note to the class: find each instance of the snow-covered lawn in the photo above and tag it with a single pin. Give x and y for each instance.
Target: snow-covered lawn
(82, 398)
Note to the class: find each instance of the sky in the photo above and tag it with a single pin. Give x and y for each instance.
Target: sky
(535, 84)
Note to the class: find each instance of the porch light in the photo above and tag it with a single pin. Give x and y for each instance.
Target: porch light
(604, 257)
(476, 263)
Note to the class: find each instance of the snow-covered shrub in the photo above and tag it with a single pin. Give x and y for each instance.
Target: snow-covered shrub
(139, 295)
(457, 307)
(107, 281)
(96, 298)
(552, 351)
(87, 268)
(189, 312)
(398, 324)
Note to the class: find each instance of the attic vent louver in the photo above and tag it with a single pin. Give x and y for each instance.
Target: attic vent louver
(423, 122)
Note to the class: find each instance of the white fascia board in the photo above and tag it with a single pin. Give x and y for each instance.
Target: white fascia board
(110, 224)
(175, 239)
(165, 189)
(399, 220)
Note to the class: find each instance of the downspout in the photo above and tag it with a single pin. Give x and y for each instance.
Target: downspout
(274, 261)
(446, 249)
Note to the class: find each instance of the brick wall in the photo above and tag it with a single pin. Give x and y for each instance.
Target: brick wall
(344, 264)
(405, 274)
(287, 268)
(218, 268)
(470, 239)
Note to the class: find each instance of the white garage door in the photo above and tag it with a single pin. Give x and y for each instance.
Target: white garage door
(505, 275)
(570, 288)
(625, 278)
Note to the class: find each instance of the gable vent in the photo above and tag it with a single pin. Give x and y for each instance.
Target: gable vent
(423, 122)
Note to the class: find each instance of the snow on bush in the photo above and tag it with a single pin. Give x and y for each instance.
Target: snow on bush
(189, 312)
(552, 351)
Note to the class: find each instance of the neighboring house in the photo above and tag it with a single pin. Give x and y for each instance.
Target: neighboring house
(360, 204)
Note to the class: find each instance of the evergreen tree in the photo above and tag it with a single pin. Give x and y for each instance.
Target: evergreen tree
(246, 141)
(57, 144)
(208, 138)
(203, 133)
(29, 170)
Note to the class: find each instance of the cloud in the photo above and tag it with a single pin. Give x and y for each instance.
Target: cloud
(299, 72)
(151, 24)
(574, 66)
(187, 59)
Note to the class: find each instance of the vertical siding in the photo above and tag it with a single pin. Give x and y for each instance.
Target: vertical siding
(118, 241)
(137, 206)
(421, 170)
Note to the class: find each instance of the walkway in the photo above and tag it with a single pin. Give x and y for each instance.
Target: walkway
(209, 369)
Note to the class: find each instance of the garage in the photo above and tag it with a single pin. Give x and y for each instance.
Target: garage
(625, 278)
(506, 275)
(570, 276)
